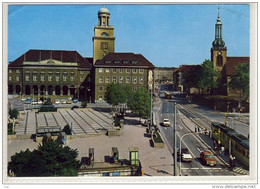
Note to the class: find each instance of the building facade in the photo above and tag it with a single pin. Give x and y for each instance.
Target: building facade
(163, 74)
(57, 73)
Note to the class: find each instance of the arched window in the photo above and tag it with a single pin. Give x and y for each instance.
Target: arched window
(104, 34)
(219, 60)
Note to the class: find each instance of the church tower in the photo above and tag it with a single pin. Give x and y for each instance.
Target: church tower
(103, 40)
(218, 50)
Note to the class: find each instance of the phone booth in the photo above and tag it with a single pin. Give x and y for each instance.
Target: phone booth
(134, 155)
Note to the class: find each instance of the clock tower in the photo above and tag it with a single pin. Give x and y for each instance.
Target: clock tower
(103, 40)
(218, 50)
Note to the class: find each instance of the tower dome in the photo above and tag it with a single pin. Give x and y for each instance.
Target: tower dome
(103, 10)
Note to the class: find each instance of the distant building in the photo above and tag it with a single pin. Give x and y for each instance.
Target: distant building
(179, 80)
(58, 73)
(163, 74)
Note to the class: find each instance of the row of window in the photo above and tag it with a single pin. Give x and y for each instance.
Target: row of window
(43, 72)
(121, 70)
(102, 89)
(49, 78)
(121, 79)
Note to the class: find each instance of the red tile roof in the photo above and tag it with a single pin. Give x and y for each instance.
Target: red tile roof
(63, 56)
(124, 60)
(232, 62)
(186, 68)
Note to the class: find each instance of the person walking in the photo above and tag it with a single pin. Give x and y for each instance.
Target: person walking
(222, 151)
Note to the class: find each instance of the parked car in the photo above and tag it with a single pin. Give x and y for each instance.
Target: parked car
(40, 102)
(69, 98)
(34, 102)
(63, 101)
(57, 101)
(185, 155)
(28, 101)
(166, 122)
(75, 100)
(69, 102)
(207, 158)
(23, 99)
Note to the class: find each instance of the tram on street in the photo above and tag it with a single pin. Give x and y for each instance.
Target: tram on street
(235, 143)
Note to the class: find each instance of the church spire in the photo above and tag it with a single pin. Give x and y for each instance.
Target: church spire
(218, 42)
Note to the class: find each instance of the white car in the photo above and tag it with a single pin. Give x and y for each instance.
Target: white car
(166, 122)
(185, 155)
(57, 101)
(40, 102)
(63, 101)
(23, 99)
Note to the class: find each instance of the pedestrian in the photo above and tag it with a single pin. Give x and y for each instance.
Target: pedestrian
(223, 151)
(215, 145)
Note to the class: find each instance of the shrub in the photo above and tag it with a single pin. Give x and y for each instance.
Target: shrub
(74, 107)
(67, 130)
(84, 104)
(10, 129)
(157, 138)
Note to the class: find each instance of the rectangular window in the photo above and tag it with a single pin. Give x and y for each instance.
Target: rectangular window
(17, 71)
(10, 71)
(50, 77)
(100, 88)
(134, 80)
(121, 79)
(128, 70)
(134, 70)
(72, 77)
(65, 77)
(114, 79)
(27, 77)
(107, 70)
(121, 70)
(57, 77)
(17, 78)
(114, 70)
(101, 70)
(82, 72)
(141, 70)
(101, 79)
(128, 79)
(42, 78)
(107, 79)
(10, 78)
(34, 77)
(141, 80)
(135, 88)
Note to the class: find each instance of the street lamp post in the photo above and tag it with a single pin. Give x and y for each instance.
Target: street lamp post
(151, 115)
(175, 145)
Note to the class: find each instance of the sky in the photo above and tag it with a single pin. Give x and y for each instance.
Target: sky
(168, 35)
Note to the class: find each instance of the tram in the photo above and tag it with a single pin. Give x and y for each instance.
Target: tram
(235, 143)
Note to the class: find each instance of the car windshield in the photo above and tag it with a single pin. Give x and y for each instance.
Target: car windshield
(208, 156)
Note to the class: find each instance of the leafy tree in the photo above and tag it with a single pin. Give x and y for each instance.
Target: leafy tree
(240, 79)
(140, 103)
(115, 94)
(48, 102)
(49, 159)
(192, 77)
(13, 113)
(208, 77)
(67, 130)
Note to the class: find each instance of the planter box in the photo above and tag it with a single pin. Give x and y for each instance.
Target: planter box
(113, 132)
(12, 137)
(157, 144)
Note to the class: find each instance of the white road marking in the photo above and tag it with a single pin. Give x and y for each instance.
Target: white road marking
(199, 150)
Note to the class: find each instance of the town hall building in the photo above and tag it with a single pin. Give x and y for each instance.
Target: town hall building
(61, 73)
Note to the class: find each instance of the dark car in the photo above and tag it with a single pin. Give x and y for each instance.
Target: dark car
(75, 100)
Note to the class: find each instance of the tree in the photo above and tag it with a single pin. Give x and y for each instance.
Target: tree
(240, 79)
(49, 159)
(208, 76)
(13, 113)
(115, 94)
(192, 77)
(140, 103)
